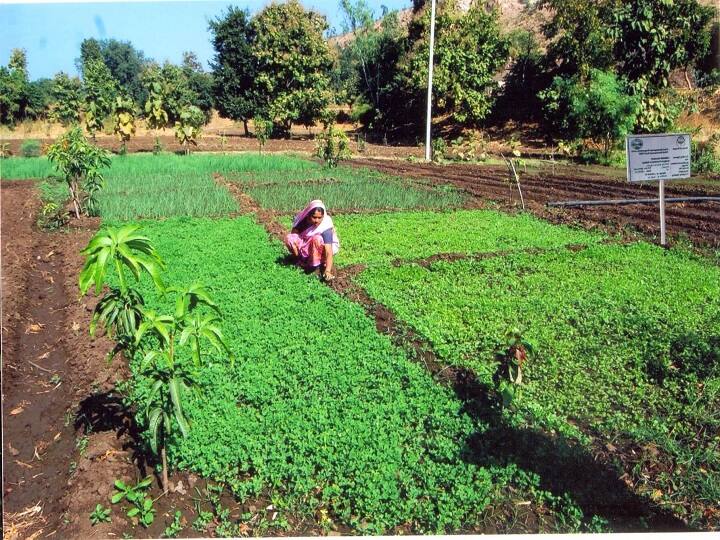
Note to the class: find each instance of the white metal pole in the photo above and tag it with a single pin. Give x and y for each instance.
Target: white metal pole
(662, 212)
(428, 149)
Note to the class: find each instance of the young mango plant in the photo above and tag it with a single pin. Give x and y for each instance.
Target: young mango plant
(124, 116)
(79, 164)
(512, 358)
(119, 310)
(187, 128)
(332, 146)
(169, 375)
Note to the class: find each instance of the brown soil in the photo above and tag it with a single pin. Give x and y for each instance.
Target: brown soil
(700, 222)
(49, 365)
(234, 142)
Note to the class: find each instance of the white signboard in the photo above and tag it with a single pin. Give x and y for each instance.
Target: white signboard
(658, 157)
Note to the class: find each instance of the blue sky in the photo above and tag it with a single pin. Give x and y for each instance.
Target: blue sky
(51, 33)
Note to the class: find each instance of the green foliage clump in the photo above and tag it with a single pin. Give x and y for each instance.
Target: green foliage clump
(469, 50)
(263, 130)
(14, 85)
(188, 126)
(382, 238)
(338, 419)
(66, 99)
(100, 91)
(233, 66)
(332, 146)
(30, 148)
(706, 156)
(292, 63)
(100, 515)
(124, 119)
(599, 108)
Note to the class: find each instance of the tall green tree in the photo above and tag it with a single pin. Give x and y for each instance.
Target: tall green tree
(293, 64)
(578, 36)
(66, 99)
(14, 88)
(654, 37)
(368, 63)
(469, 51)
(233, 66)
(39, 98)
(124, 61)
(200, 83)
(100, 91)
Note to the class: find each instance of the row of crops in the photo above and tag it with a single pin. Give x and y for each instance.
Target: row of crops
(328, 417)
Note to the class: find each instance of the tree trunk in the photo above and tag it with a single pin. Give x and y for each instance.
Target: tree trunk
(716, 36)
(164, 471)
(245, 126)
(74, 196)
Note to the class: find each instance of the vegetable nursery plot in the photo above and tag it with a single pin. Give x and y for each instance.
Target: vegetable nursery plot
(626, 339)
(158, 195)
(381, 238)
(360, 193)
(18, 168)
(319, 408)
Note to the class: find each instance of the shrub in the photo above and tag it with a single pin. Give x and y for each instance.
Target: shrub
(706, 155)
(332, 146)
(598, 108)
(30, 148)
(263, 130)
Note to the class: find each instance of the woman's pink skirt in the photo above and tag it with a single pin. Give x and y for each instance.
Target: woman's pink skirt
(311, 250)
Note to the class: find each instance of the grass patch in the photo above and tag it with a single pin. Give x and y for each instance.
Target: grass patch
(378, 238)
(20, 168)
(626, 338)
(329, 418)
(160, 195)
(366, 194)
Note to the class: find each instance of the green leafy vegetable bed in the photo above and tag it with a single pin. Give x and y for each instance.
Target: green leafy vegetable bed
(319, 408)
(626, 339)
(381, 238)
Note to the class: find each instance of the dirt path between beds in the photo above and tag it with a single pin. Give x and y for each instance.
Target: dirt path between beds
(52, 472)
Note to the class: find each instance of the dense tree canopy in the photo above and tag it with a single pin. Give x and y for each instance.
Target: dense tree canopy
(469, 51)
(66, 99)
(14, 89)
(233, 66)
(124, 61)
(292, 62)
(100, 91)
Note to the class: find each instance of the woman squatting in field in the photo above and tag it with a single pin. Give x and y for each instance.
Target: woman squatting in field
(313, 241)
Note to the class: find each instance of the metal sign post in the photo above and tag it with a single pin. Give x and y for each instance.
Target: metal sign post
(428, 120)
(656, 158)
(661, 196)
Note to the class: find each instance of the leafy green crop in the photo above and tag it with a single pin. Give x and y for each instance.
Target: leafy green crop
(318, 406)
(626, 339)
(381, 238)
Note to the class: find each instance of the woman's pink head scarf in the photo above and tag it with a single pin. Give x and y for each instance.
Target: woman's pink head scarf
(324, 225)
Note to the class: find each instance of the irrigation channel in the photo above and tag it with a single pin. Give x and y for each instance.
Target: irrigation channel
(699, 222)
